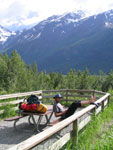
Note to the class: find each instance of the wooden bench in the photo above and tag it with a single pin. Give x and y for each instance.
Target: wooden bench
(15, 119)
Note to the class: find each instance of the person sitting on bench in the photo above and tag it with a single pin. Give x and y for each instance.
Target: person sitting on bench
(59, 110)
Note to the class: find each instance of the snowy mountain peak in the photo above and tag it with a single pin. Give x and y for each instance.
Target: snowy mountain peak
(4, 34)
(108, 15)
(67, 17)
(109, 19)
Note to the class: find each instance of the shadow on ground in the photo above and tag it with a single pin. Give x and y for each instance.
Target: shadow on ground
(10, 137)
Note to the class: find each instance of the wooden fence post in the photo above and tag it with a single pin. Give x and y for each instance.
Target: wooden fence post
(66, 97)
(108, 99)
(102, 105)
(75, 132)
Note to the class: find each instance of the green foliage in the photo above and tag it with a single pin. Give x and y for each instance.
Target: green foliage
(108, 83)
(8, 111)
(16, 76)
(71, 79)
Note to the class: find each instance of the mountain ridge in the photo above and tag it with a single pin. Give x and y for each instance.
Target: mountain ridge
(60, 43)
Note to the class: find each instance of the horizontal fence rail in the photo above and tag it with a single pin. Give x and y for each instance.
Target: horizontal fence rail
(68, 95)
(17, 96)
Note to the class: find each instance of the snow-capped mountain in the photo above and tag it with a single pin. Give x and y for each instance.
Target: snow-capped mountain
(66, 17)
(67, 41)
(109, 19)
(4, 34)
(52, 24)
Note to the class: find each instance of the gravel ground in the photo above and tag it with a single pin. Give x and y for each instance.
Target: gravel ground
(10, 137)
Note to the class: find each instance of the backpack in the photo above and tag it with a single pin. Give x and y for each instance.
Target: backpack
(32, 104)
(33, 99)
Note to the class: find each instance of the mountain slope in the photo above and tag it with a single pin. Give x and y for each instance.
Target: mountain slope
(68, 41)
(4, 35)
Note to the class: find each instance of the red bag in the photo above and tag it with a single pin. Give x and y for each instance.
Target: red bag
(31, 107)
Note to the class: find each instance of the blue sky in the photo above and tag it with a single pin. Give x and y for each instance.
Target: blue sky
(28, 12)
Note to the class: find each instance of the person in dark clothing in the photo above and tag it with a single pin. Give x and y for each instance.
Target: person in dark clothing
(59, 110)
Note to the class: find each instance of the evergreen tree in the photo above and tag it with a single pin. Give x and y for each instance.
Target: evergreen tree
(3, 74)
(35, 76)
(108, 83)
(16, 76)
(16, 73)
(71, 79)
(82, 79)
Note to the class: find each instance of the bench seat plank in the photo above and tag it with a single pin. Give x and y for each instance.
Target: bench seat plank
(13, 118)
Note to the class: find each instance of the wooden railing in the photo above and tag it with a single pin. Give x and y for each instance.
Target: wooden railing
(18, 97)
(47, 96)
(75, 122)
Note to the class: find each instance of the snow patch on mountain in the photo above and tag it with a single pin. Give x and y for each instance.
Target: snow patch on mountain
(4, 34)
(38, 36)
(108, 25)
(63, 32)
(72, 20)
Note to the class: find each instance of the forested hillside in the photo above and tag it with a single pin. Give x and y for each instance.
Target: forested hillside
(16, 76)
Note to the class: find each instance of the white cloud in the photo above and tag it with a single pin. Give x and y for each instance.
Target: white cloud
(30, 11)
(97, 6)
